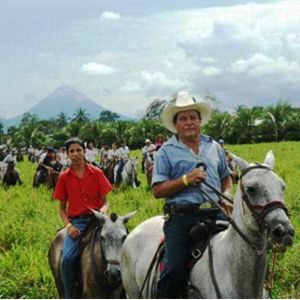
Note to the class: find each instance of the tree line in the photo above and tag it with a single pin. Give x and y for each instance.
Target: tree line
(278, 122)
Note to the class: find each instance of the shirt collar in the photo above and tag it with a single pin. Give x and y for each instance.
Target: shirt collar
(88, 169)
(175, 142)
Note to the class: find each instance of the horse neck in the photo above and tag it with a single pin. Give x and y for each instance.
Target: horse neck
(246, 258)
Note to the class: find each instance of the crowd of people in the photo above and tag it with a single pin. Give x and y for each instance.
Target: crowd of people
(52, 161)
(175, 177)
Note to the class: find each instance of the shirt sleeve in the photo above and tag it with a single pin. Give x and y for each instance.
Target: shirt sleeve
(60, 192)
(223, 168)
(161, 170)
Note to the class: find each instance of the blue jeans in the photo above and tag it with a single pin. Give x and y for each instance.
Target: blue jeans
(121, 165)
(172, 281)
(71, 259)
(42, 173)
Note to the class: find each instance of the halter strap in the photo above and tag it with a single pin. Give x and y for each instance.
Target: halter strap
(256, 166)
(265, 209)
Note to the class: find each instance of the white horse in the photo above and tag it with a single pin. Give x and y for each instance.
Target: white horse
(239, 254)
(129, 173)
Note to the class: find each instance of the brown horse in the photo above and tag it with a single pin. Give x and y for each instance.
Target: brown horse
(100, 275)
(11, 175)
(108, 169)
(50, 179)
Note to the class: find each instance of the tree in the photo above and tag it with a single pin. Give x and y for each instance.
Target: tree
(277, 117)
(62, 120)
(219, 126)
(73, 129)
(155, 108)
(245, 124)
(108, 116)
(29, 119)
(80, 116)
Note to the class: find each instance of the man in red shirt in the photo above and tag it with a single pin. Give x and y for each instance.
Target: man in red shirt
(80, 188)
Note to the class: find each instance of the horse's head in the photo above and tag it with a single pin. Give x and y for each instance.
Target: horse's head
(113, 234)
(262, 192)
(131, 170)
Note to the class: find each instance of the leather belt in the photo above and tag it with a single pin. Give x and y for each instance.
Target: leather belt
(186, 208)
(85, 216)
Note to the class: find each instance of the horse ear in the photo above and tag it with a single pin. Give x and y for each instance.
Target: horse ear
(127, 217)
(239, 161)
(100, 216)
(270, 159)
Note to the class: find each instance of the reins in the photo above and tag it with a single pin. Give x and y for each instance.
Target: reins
(96, 272)
(259, 217)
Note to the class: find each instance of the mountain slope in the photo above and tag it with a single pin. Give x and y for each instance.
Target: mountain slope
(64, 99)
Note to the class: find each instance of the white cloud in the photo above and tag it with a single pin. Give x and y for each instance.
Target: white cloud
(211, 71)
(97, 69)
(160, 81)
(131, 87)
(109, 15)
(261, 65)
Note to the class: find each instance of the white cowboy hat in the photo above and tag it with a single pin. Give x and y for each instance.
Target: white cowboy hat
(182, 101)
(147, 141)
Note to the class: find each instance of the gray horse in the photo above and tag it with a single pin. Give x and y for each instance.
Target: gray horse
(238, 254)
(100, 268)
(129, 172)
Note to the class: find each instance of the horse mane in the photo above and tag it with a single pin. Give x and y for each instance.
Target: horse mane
(113, 217)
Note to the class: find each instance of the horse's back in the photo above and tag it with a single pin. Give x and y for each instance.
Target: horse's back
(137, 253)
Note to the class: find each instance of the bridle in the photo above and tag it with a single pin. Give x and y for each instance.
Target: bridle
(259, 212)
(96, 272)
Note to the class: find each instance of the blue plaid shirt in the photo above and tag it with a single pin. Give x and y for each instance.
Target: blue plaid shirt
(174, 159)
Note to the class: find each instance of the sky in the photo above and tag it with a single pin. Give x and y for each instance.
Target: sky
(124, 54)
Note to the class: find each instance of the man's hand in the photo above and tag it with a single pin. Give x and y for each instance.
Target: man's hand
(228, 206)
(73, 231)
(196, 176)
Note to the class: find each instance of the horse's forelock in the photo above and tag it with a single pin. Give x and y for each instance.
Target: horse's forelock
(113, 217)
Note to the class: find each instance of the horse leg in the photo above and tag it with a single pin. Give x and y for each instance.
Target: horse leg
(18, 178)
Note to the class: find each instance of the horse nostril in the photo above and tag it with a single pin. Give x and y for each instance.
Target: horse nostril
(291, 232)
(279, 232)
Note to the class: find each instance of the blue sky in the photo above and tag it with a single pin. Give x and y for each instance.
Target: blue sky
(124, 54)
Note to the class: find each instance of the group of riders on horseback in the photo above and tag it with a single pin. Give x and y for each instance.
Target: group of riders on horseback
(194, 175)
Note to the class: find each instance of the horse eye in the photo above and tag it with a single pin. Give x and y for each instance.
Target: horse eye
(251, 190)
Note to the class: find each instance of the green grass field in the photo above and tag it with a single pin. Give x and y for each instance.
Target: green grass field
(29, 220)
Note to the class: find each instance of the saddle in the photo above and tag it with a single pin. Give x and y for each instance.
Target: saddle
(199, 237)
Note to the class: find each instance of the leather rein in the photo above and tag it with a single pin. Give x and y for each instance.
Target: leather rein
(98, 275)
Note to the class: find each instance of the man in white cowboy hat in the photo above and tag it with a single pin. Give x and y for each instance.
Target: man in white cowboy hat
(176, 178)
(147, 151)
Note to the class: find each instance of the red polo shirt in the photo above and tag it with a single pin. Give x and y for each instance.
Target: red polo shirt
(84, 193)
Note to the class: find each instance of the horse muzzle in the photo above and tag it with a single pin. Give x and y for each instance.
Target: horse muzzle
(283, 235)
(113, 274)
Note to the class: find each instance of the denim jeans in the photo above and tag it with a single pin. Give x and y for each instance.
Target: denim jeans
(71, 258)
(42, 173)
(121, 165)
(172, 281)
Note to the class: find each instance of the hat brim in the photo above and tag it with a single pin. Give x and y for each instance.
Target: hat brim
(171, 110)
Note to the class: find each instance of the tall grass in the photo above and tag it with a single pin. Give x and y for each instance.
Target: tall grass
(29, 220)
